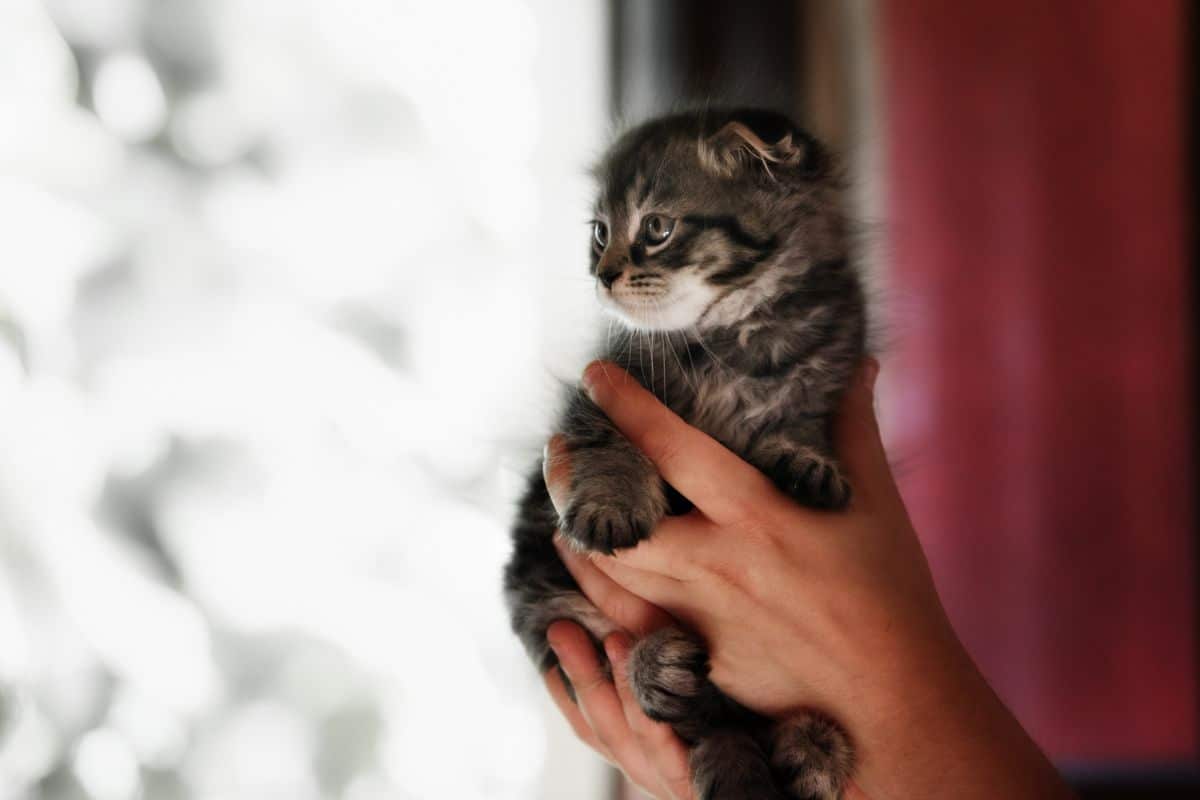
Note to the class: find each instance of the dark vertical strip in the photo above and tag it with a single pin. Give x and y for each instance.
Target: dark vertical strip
(649, 63)
(671, 53)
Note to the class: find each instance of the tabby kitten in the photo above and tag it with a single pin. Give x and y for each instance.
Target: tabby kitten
(720, 245)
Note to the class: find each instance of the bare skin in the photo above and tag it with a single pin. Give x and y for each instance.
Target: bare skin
(800, 609)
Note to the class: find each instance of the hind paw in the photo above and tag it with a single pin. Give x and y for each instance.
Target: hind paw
(811, 756)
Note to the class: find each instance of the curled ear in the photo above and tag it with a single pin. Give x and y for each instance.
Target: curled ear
(735, 147)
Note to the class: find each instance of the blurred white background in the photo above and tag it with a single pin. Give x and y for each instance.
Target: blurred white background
(284, 288)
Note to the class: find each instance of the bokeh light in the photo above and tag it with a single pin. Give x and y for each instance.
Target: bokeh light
(286, 292)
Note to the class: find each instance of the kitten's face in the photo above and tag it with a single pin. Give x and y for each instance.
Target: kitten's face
(692, 217)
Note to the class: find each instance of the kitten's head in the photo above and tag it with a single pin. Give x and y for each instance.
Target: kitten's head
(702, 217)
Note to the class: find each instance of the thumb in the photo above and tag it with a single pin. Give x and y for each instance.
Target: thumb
(859, 445)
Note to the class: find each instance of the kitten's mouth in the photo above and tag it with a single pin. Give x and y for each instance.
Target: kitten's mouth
(659, 307)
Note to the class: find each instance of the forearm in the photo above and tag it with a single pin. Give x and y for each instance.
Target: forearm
(945, 733)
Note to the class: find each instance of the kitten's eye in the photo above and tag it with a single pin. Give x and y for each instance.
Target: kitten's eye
(600, 234)
(658, 229)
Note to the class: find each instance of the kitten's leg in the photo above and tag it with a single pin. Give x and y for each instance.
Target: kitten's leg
(617, 496)
(537, 586)
(800, 461)
(811, 756)
(668, 674)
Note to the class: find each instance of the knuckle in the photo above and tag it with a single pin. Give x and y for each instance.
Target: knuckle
(734, 572)
(747, 511)
(612, 742)
(757, 530)
(755, 518)
(586, 685)
(740, 570)
(729, 573)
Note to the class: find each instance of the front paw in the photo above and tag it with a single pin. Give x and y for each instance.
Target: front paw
(812, 479)
(608, 511)
(616, 498)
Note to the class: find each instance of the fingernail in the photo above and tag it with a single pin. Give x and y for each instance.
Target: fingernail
(564, 552)
(592, 375)
(610, 648)
(550, 639)
(562, 667)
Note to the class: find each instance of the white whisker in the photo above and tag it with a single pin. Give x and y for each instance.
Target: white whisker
(652, 359)
(691, 361)
(716, 359)
(679, 361)
(641, 368)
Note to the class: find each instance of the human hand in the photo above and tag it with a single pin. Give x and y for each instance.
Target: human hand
(605, 715)
(804, 609)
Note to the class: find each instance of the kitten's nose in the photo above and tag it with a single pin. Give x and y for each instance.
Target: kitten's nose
(609, 276)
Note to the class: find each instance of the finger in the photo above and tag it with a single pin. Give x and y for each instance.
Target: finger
(678, 548)
(556, 471)
(666, 753)
(558, 693)
(615, 601)
(717, 481)
(858, 441)
(660, 590)
(596, 696)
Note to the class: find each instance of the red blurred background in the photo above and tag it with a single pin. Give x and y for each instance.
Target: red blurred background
(1042, 373)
